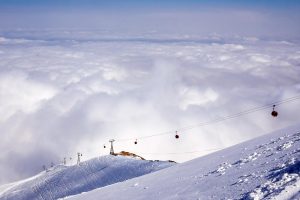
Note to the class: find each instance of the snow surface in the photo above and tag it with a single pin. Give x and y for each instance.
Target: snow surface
(61, 181)
(264, 168)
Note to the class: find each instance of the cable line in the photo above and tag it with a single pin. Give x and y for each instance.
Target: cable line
(217, 120)
(187, 152)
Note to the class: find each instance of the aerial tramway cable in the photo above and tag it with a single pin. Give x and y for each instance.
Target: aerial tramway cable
(274, 113)
(217, 120)
(186, 152)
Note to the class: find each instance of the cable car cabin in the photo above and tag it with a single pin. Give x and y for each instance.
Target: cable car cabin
(135, 142)
(274, 113)
(176, 135)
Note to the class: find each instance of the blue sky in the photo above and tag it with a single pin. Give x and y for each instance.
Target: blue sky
(257, 17)
(138, 3)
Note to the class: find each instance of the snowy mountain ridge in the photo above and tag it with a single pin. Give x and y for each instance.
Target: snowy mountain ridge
(267, 167)
(61, 181)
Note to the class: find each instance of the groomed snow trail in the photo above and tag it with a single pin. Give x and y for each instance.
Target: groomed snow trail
(61, 181)
(267, 167)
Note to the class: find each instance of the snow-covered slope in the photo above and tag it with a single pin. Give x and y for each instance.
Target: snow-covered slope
(264, 168)
(61, 181)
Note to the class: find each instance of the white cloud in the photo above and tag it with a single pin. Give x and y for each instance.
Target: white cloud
(260, 58)
(114, 73)
(59, 97)
(20, 94)
(191, 96)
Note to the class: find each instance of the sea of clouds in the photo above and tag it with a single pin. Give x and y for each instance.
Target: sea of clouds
(61, 96)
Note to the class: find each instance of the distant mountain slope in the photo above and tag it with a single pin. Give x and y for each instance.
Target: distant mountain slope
(63, 181)
(264, 168)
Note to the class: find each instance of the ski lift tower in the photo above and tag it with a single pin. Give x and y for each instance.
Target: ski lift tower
(78, 157)
(112, 147)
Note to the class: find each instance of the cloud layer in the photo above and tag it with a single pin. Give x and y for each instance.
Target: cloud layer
(59, 97)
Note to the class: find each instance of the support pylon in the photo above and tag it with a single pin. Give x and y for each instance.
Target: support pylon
(78, 158)
(112, 147)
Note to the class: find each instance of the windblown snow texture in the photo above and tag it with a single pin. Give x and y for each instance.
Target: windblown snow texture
(264, 168)
(61, 181)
